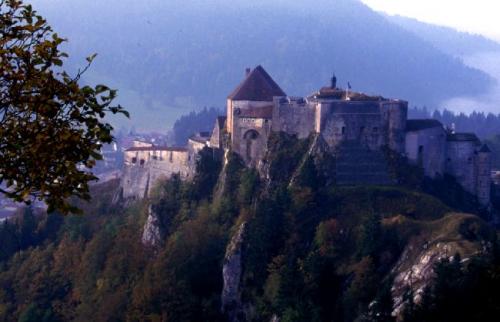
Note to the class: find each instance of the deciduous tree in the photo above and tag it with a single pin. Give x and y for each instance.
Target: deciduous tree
(51, 127)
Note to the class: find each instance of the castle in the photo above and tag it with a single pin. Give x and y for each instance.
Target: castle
(355, 127)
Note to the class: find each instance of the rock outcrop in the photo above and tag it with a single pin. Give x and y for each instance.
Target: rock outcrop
(418, 275)
(437, 240)
(152, 235)
(231, 272)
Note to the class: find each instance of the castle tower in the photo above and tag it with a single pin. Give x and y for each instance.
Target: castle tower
(256, 90)
(395, 114)
(483, 185)
(249, 114)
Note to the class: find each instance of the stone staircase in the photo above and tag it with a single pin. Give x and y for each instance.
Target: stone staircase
(357, 165)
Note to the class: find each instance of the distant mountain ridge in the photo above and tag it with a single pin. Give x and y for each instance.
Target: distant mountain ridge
(446, 39)
(177, 56)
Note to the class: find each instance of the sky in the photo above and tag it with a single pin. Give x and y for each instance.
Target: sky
(475, 16)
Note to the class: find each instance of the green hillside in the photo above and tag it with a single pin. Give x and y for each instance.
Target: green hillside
(308, 251)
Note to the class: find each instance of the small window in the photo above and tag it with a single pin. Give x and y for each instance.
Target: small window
(343, 129)
(142, 161)
(134, 160)
(171, 157)
(375, 130)
(155, 157)
(362, 130)
(469, 160)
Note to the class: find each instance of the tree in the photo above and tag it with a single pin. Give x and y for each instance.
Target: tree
(51, 128)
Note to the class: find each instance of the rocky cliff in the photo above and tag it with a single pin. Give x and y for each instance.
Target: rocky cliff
(231, 272)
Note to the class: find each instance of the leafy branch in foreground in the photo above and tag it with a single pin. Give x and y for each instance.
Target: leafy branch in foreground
(51, 128)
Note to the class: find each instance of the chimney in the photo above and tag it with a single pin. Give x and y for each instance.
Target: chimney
(334, 82)
(247, 72)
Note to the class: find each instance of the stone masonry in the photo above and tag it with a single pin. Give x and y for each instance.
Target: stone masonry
(354, 125)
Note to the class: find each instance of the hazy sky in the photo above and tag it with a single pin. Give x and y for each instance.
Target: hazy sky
(477, 16)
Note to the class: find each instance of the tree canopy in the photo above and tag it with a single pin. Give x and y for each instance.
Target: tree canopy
(51, 127)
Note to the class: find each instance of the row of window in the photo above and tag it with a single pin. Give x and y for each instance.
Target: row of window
(361, 130)
(156, 158)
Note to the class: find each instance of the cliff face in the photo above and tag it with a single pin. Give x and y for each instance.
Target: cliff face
(231, 272)
(300, 238)
(152, 235)
(436, 240)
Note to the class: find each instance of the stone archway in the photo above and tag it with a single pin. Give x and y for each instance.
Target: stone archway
(252, 145)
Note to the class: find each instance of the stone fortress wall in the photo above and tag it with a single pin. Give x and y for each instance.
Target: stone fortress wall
(426, 147)
(354, 125)
(145, 164)
(355, 121)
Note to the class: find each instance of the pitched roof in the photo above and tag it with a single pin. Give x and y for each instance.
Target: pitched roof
(221, 121)
(418, 125)
(340, 94)
(462, 137)
(264, 112)
(257, 86)
(201, 137)
(485, 149)
(155, 148)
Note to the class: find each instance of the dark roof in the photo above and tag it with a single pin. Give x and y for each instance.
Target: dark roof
(418, 125)
(201, 137)
(462, 137)
(485, 149)
(340, 94)
(257, 86)
(156, 148)
(333, 93)
(264, 112)
(221, 121)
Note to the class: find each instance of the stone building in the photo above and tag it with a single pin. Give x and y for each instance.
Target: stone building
(145, 164)
(249, 114)
(354, 126)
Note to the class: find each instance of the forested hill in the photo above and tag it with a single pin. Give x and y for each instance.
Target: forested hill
(175, 55)
(232, 246)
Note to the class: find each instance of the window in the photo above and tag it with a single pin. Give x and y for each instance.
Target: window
(171, 157)
(134, 160)
(142, 161)
(362, 130)
(375, 130)
(155, 157)
(343, 130)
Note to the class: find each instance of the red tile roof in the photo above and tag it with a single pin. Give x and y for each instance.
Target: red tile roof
(257, 86)
(156, 148)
